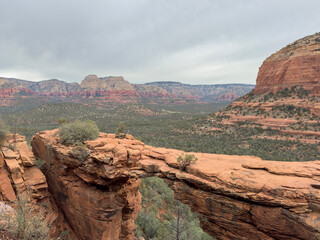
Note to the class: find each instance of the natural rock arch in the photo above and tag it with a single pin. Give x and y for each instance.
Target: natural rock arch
(239, 197)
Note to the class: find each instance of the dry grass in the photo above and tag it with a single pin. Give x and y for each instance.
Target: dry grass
(24, 224)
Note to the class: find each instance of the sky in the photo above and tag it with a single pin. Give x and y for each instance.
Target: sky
(190, 41)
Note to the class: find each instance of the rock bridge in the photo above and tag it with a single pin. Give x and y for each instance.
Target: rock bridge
(238, 197)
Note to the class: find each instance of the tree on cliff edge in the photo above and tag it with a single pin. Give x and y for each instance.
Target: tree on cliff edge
(185, 160)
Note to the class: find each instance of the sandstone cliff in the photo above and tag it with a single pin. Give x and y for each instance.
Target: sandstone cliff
(98, 200)
(238, 197)
(294, 65)
(19, 177)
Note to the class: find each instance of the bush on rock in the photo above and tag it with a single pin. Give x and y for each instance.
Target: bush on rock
(78, 132)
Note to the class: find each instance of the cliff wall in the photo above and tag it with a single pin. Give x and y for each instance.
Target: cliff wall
(296, 64)
(21, 178)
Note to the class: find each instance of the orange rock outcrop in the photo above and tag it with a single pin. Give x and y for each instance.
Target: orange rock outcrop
(294, 65)
(238, 197)
(98, 200)
(19, 177)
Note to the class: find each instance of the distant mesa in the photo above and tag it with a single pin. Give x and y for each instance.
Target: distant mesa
(92, 82)
(117, 89)
(296, 64)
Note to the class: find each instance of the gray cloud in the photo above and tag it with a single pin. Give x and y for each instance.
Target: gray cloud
(192, 41)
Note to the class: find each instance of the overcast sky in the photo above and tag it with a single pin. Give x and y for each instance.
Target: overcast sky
(191, 41)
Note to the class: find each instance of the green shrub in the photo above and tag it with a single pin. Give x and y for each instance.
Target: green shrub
(3, 131)
(78, 131)
(62, 120)
(121, 128)
(185, 160)
(80, 151)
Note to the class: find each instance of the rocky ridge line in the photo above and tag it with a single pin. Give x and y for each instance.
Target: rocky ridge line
(116, 89)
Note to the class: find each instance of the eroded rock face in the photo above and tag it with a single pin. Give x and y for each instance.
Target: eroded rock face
(19, 177)
(98, 197)
(294, 65)
(17, 171)
(238, 197)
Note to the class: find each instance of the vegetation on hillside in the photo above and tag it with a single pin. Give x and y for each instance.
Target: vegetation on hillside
(296, 92)
(140, 120)
(3, 131)
(174, 126)
(185, 127)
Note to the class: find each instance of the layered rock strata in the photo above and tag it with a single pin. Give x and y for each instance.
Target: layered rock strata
(290, 117)
(238, 197)
(294, 65)
(20, 178)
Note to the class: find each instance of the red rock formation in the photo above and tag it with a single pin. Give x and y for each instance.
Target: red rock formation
(8, 95)
(294, 113)
(20, 176)
(239, 197)
(11, 92)
(98, 200)
(92, 82)
(115, 89)
(294, 65)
